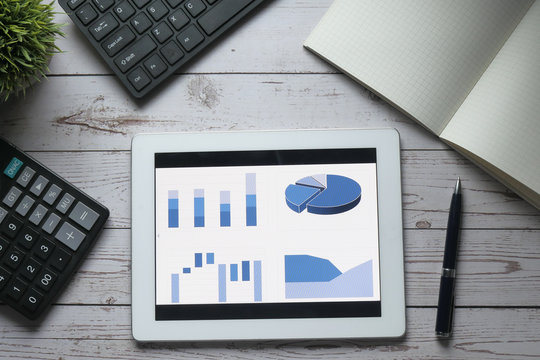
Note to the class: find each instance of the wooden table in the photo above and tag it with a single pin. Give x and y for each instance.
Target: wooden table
(80, 123)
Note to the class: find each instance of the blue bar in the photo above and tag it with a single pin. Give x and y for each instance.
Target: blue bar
(198, 259)
(175, 291)
(225, 215)
(234, 272)
(209, 258)
(251, 210)
(257, 281)
(173, 208)
(198, 204)
(222, 282)
(186, 270)
(245, 270)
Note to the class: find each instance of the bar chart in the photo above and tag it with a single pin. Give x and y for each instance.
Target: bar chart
(175, 205)
(247, 273)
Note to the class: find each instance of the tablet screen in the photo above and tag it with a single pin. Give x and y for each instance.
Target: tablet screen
(266, 234)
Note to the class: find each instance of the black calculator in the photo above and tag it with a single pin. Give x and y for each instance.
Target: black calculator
(47, 227)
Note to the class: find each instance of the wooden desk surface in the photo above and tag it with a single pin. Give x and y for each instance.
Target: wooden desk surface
(80, 123)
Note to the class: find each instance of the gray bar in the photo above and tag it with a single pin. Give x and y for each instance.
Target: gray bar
(198, 193)
(224, 197)
(250, 184)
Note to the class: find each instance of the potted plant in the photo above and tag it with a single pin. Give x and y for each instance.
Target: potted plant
(27, 35)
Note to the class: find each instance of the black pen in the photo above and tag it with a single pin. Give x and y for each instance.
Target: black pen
(445, 309)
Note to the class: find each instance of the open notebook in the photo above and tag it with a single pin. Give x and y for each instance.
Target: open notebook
(469, 71)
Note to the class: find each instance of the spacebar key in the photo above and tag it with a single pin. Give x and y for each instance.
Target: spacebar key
(135, 53)
(220, 14)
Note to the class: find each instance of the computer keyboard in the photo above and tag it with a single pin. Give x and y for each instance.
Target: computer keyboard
(145, 41)
(47, 226)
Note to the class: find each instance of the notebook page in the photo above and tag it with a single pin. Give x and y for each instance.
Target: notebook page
(500, 119)
(422, 56)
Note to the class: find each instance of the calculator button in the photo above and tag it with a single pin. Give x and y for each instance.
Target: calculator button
(46, 279)
(25, 205)
(11, 227)
(30, 269)
(12, 196)
(39, 185)
(60, 259)
(52, 194)
(27, 237)
(51, 223)
(4, 244)
(84, 216)
(13, 167)
(38, 215)
(44, 249)
(13, 258)
(32, 299)
(16, 289)
(4, 277)
(3, 214)
(64, 204)
(25, 177)
(70, 236)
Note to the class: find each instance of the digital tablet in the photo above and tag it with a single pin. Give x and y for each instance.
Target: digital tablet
(267, 235)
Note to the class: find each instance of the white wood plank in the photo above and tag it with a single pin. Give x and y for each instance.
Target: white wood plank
(428, 178)
(495, 268)
(77, 332)
(95, 112)
(269, 41)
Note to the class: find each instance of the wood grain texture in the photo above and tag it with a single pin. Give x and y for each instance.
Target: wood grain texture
(104, 332)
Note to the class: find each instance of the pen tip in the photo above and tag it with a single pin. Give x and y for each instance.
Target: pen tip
(458, 186)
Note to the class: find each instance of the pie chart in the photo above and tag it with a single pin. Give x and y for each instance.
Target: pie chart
(323, 194)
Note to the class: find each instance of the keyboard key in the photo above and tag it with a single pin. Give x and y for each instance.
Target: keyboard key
(155, 65)
(141, 23)
(4, 277)
(51, 195)
(70, 236)
(190, 38)
(140, 3)
(38, 215)
(13, 167)
(24, 206)
(172, 53)
(46, 279)
(162, 32)
(103, 5)
(25, 177)
(195, 7)
(178, 19)
(118, 41)
(44, 249)
(86, 14)
(28, 237)
(103, 26)
(174, 3)
(39, 185)
(16, 289)
(12, 196)
(13, 258)
(135, 53)
(4, 244)
(3, 214)
(11, 227)
(84, 216)
(60, 259)
(51, 223)
(157, 10)
(217, 16)
(32, 299)
(30, 269)
(138, 78)
(64, 204)
(124, 10)
(73, 4)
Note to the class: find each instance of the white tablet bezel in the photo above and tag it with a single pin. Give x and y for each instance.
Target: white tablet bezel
(392, 320)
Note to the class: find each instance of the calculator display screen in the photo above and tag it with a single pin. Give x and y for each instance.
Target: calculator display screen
(267, 234)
